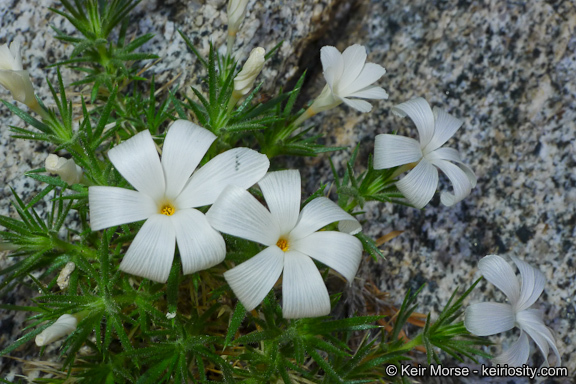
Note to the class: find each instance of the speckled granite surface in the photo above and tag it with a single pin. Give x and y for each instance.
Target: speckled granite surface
(508, 69)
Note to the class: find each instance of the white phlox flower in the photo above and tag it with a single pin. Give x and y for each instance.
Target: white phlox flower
(65, 168)
(166, 194)
(434, 129)
(65, 325)
(484, 319)
(292, 242)
(14, 78)
(349, 78)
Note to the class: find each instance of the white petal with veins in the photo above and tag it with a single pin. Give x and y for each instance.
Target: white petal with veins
(241, 167)
(253, 279)
(110, 206)
(419, 185)
(137, 160)
(200, 245)
(152, 251)
(182, 151)
(239, 214)
(303, 291)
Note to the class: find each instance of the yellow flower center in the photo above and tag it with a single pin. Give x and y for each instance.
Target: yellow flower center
(283, 244)
(167, 209)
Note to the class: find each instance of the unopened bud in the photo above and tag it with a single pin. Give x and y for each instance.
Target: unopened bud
(65, 168)
(244, 81)
(65, 325)
(236, 14)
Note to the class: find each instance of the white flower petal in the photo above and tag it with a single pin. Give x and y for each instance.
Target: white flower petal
(282, 193)
(445, 127)
(152, 251)
(419, 185)
(339, 251)
(332, 64)
(460, 181)
(485, 319)
(369, 75)
(253, 279)
(303, 291)
(530, 321)
(393, 150)
(17, 56)
(238, 213)
(419, 111)
(469, 174)
(374, 92)
(317, 214)
(517, 354)
(7, 60)
(360, 105)
(184, 147)
(110, 206)
(533, 282)
(451, 154)
(137, 160)
(19, 85)
(200, 245)
(10, 58)
(498, 272)
(242, 167)
(446, 153)
(354, 58)
(65, 325)
(350, 227)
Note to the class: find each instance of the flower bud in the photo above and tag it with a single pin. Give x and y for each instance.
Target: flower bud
(14, 78)
(244, 81)
(65, 325)
(236, 14)
(65, 168)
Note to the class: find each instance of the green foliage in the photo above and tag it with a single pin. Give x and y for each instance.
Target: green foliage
(105, 62)
(370, 185)
(269, 122)
(449, 334)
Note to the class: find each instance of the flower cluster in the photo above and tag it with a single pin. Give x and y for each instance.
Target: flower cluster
(166, 197)
(185, 193)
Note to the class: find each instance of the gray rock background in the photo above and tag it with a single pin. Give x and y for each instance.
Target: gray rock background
(506, 68)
